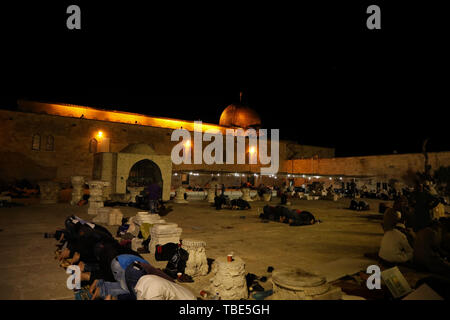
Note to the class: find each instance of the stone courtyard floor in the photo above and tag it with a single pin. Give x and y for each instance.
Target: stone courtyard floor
(28, 269)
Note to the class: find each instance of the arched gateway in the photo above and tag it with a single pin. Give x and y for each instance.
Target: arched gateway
(144, 173)
(135, 166)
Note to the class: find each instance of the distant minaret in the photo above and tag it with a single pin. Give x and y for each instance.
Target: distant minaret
(240, 97)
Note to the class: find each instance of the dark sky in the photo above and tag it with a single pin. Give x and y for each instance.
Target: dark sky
(314, 72)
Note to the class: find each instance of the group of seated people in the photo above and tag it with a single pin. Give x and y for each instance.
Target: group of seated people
(293, 217)
(413, 237)
(110, 270)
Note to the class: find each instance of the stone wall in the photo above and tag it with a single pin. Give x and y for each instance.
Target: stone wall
(71, 138)
(383, 168)
(297, 151)
(71, 157)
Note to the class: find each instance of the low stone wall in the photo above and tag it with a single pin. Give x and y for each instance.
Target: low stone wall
(384, 167)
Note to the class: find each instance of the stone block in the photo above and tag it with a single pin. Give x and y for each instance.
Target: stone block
(115, 217)
(229, 279)
(197, 264)
(179, 195)
(102, 215)
(298, 284)
(49, 192)
(162, 233)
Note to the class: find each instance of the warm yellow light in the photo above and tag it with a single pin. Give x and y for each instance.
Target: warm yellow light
(187, 144)
(252, 150)
(100, 134)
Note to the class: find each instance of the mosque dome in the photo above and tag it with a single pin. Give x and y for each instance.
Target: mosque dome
(138, 148)
(237, 115)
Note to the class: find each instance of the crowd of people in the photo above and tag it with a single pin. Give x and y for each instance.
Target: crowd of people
(415, 235)
(111, 270)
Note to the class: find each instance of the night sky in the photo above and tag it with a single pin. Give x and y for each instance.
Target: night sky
(316, 73)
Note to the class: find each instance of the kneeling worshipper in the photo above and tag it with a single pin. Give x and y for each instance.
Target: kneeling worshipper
(153, 287)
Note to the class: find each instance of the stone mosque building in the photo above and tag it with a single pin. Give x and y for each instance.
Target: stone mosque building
(55, 141)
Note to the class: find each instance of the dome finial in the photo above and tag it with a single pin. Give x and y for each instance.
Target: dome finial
(240, 97)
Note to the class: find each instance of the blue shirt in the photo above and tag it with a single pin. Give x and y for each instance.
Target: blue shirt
(126, 259)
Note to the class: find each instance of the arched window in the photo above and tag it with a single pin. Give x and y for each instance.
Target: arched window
(50, 143)
(36, 142)
(93, 146)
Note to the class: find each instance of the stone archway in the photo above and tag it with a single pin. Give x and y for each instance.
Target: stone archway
(144, 173)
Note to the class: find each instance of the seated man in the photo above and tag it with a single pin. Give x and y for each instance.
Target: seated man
(153, 287)
(428, 251)
(394, 246)
(390, 218)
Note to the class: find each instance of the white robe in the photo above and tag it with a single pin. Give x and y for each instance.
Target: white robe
(152, 287)
(395, 247)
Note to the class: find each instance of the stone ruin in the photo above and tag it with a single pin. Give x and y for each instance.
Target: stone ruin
(197, 264)
(298, 284)
(109, 216)
(211, 195)
(145, 217)
(96, 195)
(49, 192)
(267, 197)
(179, 195)
(162, 233)
(77, 191)
(229, 279)
(246, 194)
(134, 192)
